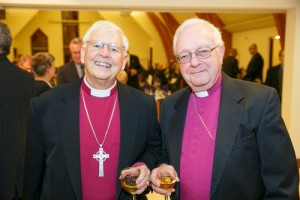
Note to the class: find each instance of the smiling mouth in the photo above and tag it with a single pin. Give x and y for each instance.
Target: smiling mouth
(102, 64)
(198, 72)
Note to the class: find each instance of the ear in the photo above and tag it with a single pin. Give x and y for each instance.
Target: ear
(125, 60)
(222, 52)
(82, 51)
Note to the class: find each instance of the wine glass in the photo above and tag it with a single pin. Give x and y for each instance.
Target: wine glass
(128, 180)
(167, 181)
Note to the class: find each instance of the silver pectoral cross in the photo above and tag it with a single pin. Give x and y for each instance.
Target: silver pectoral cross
(101, 156)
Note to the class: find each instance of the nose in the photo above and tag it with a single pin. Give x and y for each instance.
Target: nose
(194, 61)
(104, 51)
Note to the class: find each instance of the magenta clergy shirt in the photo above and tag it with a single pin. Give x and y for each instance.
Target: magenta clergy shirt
(100, 109)
(197, 150)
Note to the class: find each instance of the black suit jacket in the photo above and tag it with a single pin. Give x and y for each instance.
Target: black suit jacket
(67, 74)
(273, 79)
(230, 66)
(17, 88)
(52, 165)
(255, 68)
(254, 157)
(41, 87)
(134, 63)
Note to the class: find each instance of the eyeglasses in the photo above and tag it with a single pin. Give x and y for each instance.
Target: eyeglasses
(200, 53)
(96, 45)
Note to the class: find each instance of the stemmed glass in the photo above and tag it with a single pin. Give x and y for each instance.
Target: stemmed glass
(167, 181)
(128, 180)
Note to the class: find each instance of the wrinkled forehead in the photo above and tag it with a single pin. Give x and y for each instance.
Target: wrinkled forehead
(194, 36)
(107, 36)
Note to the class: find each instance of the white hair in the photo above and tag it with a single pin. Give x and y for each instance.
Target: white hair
(215, 32)
(109, 27)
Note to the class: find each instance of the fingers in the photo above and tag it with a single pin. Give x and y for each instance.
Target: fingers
(155, 183)
(144, 179)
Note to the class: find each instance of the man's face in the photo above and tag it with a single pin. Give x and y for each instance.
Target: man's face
(75, 53)
(199, 73)
(252, 50)
(103, 62)
(27, 65)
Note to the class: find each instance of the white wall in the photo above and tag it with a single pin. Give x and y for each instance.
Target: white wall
(291, 78)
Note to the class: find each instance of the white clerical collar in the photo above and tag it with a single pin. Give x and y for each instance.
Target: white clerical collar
(99, 93)
(202, 94)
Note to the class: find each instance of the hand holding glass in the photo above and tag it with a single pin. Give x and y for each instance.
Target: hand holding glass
(128, 180)
(167, 181)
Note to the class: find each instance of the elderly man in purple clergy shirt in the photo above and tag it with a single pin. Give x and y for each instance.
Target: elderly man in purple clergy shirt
(81, 135)
(222, 138)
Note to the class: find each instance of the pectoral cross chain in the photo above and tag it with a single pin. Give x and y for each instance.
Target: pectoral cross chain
(101, 156)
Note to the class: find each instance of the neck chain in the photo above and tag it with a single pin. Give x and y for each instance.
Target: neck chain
(210, 135)
(100, 156)
(91, 125)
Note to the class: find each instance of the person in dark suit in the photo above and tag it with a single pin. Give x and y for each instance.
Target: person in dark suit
(133, 69)
(44, 70)
(230, 64)
(69, 154)
(274, 75)
(72, 71)
(17, 88)
(255, 66)
(224, 137)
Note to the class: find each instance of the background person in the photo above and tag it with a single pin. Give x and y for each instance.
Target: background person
(73, 70)
(231, 65)
(225, 137)
(255, 66)
(17, 88)
(275, 73)
(133, 69)
(25, 62)
(44, 70)
(70, 155)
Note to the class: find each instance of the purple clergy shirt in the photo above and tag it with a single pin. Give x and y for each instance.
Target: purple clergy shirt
(100, 110)
(197, 152)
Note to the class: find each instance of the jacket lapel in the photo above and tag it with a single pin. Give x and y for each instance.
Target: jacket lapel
(68, 118)
(177, 127)
(126, 126)
(230, 115)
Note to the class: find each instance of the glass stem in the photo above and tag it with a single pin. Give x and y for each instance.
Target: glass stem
(166, 197)
(133, 196)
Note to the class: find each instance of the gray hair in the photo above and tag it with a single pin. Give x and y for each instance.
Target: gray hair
(5, 38)
(41, 62)
(107, 26)
(215, 32)
(75, 41)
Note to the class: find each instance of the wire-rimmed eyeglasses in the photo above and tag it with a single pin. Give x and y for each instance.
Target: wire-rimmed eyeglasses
(97, 45)
(200, 53)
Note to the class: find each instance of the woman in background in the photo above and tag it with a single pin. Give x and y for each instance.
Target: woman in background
(44, 70)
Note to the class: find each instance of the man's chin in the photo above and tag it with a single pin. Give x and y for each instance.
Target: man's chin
(199, 81)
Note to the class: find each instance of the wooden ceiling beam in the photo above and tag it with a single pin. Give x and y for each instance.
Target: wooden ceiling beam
(164, 34)
(280, 19)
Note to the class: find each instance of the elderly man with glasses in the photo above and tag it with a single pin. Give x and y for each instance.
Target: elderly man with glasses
(222, 138)
(82, 135)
